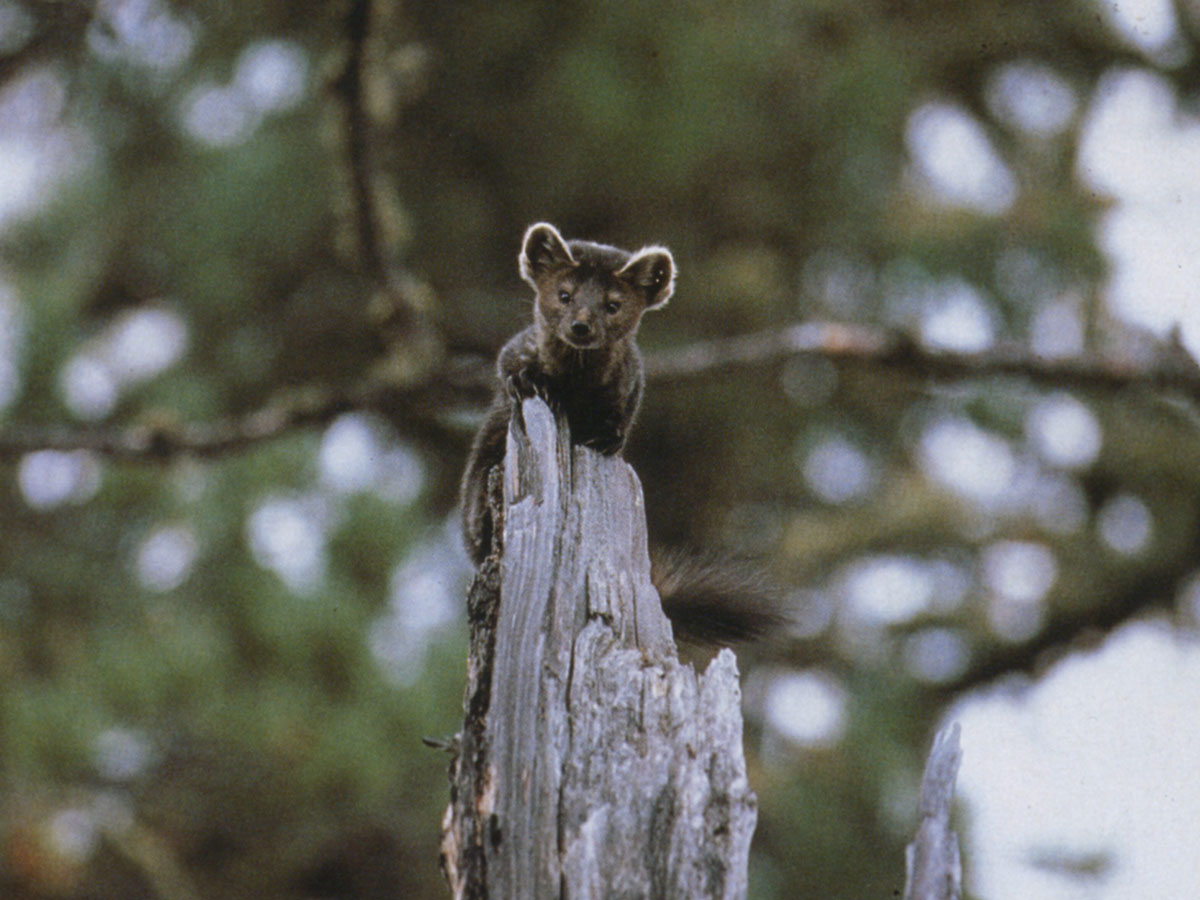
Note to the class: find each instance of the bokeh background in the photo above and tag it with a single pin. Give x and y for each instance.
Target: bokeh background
(255, 258)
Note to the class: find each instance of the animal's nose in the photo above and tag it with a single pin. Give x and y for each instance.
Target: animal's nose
(581, 329)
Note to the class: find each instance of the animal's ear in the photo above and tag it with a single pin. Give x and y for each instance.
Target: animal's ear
(543, 248)
(652, 271)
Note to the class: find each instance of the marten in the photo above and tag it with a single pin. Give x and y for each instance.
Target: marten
(581, 357)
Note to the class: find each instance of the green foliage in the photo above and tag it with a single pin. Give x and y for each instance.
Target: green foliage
(271, 718)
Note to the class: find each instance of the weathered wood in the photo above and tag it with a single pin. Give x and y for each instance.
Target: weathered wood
(592, 764)
(933, 862)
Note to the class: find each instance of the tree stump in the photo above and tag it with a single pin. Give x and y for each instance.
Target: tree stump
(592, 763)
(933, 863)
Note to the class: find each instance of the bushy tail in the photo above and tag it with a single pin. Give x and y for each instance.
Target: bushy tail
(715, 600)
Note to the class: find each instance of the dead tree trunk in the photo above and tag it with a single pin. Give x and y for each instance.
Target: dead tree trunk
(932, 860)
(591, 764)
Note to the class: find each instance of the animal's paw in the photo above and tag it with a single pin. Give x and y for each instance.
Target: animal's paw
(609, 443)
(530, 382)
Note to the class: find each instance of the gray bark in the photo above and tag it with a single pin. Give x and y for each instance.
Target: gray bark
(933, 862)
(592, 764)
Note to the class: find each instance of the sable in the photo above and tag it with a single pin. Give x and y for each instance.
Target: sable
(580, 356)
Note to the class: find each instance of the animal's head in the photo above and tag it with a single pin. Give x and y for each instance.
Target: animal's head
(592, 295)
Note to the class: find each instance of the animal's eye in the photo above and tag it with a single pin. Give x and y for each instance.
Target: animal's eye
(612, 307)
(564, 296)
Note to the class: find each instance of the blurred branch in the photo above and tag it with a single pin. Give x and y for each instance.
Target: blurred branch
(423, 396)
(399, 305)
(875, 346)
(1077, 627)
(906, 505)
(155, 859)
(349, 89)
(1069, 629)
(416, 409)
(164, 440)
(57, 25)
(1187, 15)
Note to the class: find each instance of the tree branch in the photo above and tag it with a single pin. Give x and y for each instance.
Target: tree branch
(399, 305)
(881, 347)
(420, 407)
(161, 441)
(460, 381)
(57, 25)
(349, 89)
(1071, 628)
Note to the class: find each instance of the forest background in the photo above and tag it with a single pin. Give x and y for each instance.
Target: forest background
(930, 361)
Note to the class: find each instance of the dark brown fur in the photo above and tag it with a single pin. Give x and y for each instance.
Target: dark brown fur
(580, 356)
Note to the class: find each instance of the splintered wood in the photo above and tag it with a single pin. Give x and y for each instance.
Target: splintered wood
(592, 763)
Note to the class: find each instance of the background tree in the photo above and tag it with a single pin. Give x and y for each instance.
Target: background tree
(254, 260)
